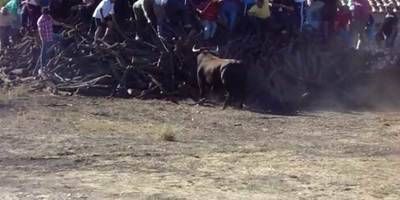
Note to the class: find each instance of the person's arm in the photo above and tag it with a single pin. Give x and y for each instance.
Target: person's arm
(146, 6)
(201, 11)
(101, 14)
(57, 23)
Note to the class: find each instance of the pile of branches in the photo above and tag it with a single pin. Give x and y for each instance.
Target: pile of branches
(77, 65)
(283, 70)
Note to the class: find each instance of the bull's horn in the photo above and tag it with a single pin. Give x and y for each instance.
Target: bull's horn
(194, 49)
(216, 50)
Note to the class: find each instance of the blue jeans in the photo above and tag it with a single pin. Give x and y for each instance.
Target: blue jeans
(230, 11)
(390, 40)
(345, 36)
(44, 54)
(209, 29)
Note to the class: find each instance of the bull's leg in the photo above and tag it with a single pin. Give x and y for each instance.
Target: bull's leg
(241, 101)
(201, 84)
(227, 100)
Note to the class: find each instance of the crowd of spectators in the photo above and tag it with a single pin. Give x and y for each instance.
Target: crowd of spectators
(348, 22)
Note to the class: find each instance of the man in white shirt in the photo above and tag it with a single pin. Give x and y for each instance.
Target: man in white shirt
(104, 17)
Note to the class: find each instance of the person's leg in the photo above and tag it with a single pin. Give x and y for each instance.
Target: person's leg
(230, 11)
(347, 37)
(213, 25)
(7, 34)
(44, 55)
(99, 29)
(363, 36)
(109, 28)
(355, 33)
(389, 43)
(206, 29)
(161, 17)
(232, 17)
(2, 38)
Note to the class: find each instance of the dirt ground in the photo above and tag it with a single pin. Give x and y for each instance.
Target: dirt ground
(54, 147)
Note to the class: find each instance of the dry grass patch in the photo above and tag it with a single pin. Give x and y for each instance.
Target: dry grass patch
(8, 95)
(167, 132)
(87, 124)
(93, 125)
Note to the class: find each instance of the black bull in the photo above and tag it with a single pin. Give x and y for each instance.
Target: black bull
(213, 71)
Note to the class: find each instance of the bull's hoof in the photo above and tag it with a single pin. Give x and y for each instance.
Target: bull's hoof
(201, 101)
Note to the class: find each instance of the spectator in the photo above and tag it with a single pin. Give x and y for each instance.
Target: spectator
(283, 12)
(13, 7)
(361, 15)
(30, 13)
(161, 17)
(6, 20)
(299, 14)
(388, 31)
(230, 10)
(208, 11)
(104, 18)
(342, 24)
(328, 18)
(45, 25)
(313, 14)
(259, 13)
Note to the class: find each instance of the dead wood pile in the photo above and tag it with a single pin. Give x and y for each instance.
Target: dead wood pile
(282, 71)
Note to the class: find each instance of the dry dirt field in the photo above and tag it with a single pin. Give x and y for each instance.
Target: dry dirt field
(54, 147)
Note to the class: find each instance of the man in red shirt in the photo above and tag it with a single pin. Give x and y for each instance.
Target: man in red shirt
(342, 24)
(208, 12)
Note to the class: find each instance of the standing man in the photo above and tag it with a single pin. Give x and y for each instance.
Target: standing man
(388, 31)
(104, 18)
(299, 16)
(283, 12)
(45, 25)
(208, 11)
(329, 12)
(259, 13)
(342, 25)
(30, 13)
(361, 16)
(13, 6)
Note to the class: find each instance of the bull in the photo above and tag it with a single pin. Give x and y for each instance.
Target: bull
(213, 71)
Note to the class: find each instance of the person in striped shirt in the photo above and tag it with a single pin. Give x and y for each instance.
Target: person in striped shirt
(45, 25)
